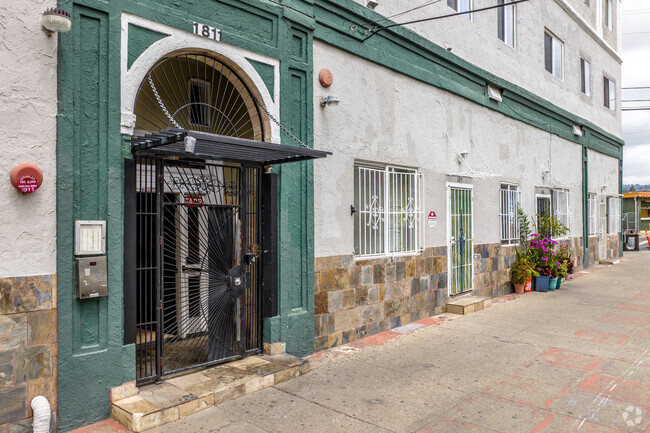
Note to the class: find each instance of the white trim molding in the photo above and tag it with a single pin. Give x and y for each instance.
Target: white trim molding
(177, 40)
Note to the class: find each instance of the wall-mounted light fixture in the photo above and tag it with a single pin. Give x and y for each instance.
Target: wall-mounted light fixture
(329, 100)
(546, 173)
(462, 156)
(372, 4)
(577, 130)
(56, 20)
(494, 93)
(603, 188)
(189, 143)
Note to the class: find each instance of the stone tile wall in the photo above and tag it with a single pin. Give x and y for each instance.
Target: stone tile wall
(613, 249)
(358, 298)
(354, 299)
(28, 348)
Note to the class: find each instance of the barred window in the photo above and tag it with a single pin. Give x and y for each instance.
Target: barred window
(509, 195)
(560, 201)
(593, 214)
(613, 215)
(389, 211)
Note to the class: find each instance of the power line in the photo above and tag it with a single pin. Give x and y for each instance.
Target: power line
(423, 5)
(635, 88)
(374, 32)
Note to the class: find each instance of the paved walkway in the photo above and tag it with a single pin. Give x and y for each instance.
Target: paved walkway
(574, 360)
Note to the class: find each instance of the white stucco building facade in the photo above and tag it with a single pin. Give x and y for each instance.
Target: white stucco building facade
(417, 101)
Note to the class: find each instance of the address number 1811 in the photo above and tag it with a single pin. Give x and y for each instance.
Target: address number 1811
(206, 31)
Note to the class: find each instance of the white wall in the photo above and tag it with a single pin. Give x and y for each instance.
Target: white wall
(477, 42)
(28, 130)
(603, 170)
(387, 117)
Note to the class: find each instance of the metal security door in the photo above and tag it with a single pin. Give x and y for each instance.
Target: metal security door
(602, 231)
(461, 243)
(201, 304)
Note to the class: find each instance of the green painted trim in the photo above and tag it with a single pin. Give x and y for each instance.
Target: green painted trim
(340, 23)
(585, 203)
(91, 333)
(267, 72)
(139, 40)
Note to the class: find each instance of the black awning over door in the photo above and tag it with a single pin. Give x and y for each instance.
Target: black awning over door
(220, 148)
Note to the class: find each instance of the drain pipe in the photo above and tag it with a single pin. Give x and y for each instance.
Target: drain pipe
(42, 413)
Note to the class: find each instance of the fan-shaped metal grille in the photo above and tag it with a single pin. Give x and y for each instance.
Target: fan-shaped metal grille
(196, 92)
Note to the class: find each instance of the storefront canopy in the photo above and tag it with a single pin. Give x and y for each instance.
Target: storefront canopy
(219, 147)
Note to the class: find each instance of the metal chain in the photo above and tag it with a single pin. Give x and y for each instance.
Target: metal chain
(160, 102)
(277, 122)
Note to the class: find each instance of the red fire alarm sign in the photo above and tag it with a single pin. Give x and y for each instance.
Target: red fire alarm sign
(26, 177)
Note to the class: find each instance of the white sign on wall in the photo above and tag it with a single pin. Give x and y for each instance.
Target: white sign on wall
(432, 218)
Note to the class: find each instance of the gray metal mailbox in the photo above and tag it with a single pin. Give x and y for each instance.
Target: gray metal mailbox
(92, 277)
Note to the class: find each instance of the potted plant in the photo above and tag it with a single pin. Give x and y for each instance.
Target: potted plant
(521, 274)
(542, 254)
(562, 271)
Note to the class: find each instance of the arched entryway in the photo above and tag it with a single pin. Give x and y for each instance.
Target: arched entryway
(198, 220)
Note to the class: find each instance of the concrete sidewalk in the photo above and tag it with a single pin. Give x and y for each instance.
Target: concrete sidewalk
(573, 360)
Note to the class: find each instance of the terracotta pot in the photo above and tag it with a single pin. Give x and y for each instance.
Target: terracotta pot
(519, 288)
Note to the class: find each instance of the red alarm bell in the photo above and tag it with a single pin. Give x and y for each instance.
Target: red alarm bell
(26, 177)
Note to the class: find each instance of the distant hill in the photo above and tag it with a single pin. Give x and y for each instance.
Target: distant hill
(635, 187)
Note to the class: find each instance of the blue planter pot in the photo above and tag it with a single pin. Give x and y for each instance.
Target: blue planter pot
(559, 283)
(541, 284)
(552, 283)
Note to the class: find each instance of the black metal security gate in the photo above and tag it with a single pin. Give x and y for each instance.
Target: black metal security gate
(197, 264)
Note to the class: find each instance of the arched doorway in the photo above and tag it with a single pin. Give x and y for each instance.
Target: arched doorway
(198, 279)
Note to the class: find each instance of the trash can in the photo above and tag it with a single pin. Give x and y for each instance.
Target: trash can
(631, 241)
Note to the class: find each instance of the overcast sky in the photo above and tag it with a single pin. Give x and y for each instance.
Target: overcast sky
(635, 19)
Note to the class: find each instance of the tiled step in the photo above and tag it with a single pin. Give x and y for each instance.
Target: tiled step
(468, 305)
(158, 404)
(609, 262)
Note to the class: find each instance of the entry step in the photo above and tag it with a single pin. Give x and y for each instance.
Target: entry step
(609, 262)
(468, 305)
(157, 404)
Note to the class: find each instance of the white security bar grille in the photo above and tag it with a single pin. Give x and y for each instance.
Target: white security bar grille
(614, 215)
(508, 216)
(561, 207)
(389, 217)
(593, 215)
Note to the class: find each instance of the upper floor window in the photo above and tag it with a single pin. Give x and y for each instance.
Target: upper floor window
(389, 206)
(609, 88)
(506, 22)
(609, 13)
(509, 195)
(553, 52)
(585, 77)
(461, 6)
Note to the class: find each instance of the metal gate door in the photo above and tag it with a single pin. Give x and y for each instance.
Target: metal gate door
(602, 231)
(461, 243)
(197, 272)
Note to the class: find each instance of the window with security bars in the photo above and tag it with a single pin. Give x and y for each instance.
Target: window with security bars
(613, 215)
(561, 207)
(593, 214)
(509, 197)
(389, 211)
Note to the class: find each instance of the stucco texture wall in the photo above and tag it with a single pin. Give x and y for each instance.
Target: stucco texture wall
(385, 117)
(28, 129)
(523, 65)
(28, 291)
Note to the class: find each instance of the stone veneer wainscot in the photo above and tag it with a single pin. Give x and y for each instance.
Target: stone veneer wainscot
(28, 348)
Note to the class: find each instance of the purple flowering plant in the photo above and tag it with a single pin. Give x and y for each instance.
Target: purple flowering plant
(542, 254)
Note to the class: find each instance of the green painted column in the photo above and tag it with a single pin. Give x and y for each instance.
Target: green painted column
(585, 201)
